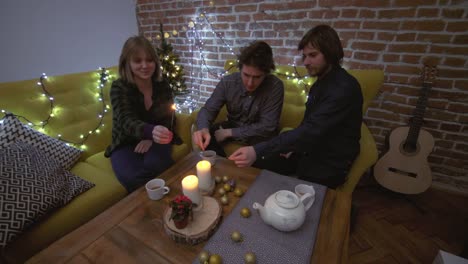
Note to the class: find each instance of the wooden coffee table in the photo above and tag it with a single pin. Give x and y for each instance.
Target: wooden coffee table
(131, 231)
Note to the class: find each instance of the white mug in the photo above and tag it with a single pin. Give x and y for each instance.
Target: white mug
(302, 189)
(156, 189)
(209, 155)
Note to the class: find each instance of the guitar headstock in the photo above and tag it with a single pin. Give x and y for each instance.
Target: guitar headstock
(430, 70)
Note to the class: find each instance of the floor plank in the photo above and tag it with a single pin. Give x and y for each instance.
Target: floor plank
(394, 228)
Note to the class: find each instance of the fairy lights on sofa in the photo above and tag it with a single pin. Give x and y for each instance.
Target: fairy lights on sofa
(104, 77)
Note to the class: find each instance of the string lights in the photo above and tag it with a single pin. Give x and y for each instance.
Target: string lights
(104, 77)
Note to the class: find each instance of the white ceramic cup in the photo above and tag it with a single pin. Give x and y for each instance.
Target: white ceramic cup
(302, 189)
(156, 189)
(209, 155)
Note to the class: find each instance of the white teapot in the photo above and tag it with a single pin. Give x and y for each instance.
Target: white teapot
(284, 210)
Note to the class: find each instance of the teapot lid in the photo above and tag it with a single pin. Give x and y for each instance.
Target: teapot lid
(286, 199)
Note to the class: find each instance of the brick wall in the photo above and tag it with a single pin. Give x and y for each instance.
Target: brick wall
(394, 35)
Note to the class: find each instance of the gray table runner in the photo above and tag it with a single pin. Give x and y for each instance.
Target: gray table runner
(268, 244)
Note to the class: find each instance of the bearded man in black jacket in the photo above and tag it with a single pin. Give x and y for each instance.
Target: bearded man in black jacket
(323, 147)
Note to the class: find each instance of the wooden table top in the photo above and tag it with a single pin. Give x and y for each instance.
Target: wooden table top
(131, 231)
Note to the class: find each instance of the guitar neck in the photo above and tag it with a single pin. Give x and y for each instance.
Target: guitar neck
(418, 115)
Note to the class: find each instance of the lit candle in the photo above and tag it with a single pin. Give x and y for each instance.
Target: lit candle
(190, 189)
(204, 175)
(173, 113)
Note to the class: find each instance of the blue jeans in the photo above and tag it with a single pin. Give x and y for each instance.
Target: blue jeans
(134, 169)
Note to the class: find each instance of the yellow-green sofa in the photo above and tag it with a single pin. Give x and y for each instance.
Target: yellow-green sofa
(296, 89)
(76, 112)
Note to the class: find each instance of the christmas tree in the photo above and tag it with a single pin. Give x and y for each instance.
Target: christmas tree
(172, 72)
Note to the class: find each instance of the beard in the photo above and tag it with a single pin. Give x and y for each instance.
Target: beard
(318, 71)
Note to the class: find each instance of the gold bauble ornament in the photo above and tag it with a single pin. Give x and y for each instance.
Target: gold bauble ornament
(221, 191)
(227, 187)
(218, 179)
(204, 257)
(238, 192)
(250, 258)
(224, 200)
(236, 236)
(225, 178)
(245, 212)
(215, 259)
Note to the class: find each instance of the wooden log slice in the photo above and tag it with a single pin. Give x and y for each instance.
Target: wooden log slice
(202, 226)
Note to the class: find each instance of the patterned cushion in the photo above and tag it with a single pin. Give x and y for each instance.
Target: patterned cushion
(14, 130)
(31, 185)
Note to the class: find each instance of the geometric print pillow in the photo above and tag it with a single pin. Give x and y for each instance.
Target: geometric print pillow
(14, 131)
(31, 185)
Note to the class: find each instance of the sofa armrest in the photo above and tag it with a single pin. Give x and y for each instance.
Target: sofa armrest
(183, 126)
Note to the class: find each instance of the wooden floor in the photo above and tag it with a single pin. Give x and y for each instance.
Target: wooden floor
(392, 228)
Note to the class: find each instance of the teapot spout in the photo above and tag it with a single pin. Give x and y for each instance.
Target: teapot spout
(262, 211)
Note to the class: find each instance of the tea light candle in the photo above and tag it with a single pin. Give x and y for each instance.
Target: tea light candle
(190, 189)
(204, 174)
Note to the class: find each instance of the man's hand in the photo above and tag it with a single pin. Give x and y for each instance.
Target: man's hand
(162, 135)
(222, 134)
(202, 138)
(244, 157)
(143, 146)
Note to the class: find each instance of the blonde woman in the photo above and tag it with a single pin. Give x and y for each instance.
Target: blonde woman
(142, 115)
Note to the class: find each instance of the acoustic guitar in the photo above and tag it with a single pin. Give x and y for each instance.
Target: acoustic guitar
(404, 168)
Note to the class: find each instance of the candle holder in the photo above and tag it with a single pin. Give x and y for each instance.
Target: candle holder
(191, 190)
(207, 182)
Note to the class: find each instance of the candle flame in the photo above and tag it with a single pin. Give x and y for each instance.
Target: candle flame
(173, 107)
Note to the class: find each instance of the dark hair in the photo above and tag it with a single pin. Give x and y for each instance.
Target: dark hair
(130, 48)
(326, 40)
(257, 54)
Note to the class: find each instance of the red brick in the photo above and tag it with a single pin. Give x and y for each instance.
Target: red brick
(330, 14)
(383, 114)
(405, 36)
(369, 3)
(439, 104)
(449, 49)
(385, 36)
(380, 25)
(395, 98)
(434, 38)
(368, 46)
(450, 127)
(396, 13)
(454, 62)
(461, 84)
(333, 3)
(365, 35)
(457, 26)
(408, 91)
(453, 13)
(365, 13)
(223, 9)
(428, 12)
(458, 107)
(366, 56)
(453, 73)
(397, 108)
(349, 13)
(412, 48)
(404, 3)
(413, 59)
(292, 15)
(391, 78)
(461, 39)
(245, 8)
(346, 24)
(423, 25)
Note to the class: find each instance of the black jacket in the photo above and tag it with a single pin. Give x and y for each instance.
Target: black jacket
(328, 136)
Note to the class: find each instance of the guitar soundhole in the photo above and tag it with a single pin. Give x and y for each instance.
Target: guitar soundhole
(410, 148)
(405, 173)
